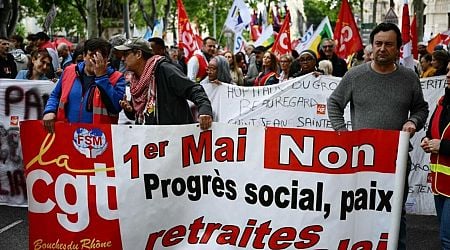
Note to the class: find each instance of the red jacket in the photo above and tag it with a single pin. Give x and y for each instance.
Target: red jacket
(440, 164)
(100, 113)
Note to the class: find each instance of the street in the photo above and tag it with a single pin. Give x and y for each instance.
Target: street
(422, 230)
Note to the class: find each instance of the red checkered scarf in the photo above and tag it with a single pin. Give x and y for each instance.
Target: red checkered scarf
(143, 89)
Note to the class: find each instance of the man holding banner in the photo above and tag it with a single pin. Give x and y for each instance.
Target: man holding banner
(87, 92)
(382, 95)
(159, 91)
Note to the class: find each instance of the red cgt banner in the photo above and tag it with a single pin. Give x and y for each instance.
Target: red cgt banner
(71, 194)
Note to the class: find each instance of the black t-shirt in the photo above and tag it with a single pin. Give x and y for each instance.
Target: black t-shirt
(8, 68)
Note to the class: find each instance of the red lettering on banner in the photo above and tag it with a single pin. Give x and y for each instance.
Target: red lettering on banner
(326, 152)
(225, 150)
(89, 140)
(173, 236)
(152, 150)
(365, 244)
(202, 233)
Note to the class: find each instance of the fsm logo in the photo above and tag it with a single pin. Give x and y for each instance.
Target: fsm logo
(90, 143)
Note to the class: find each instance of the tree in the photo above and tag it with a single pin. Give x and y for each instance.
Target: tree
(9, 15)
(313, 8)
(419, 7)
(92, 19)
(72, 15)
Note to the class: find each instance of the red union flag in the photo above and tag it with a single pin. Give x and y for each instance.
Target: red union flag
(187, 39)
(283, 43)
(346, 33)
(414, 37)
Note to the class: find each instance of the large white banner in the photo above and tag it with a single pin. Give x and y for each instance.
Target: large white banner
(257, 188)
(20, 100)
(420, 198)
(230, 187)
(301, 103)
(297, 103)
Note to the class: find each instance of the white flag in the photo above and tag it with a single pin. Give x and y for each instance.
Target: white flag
(158, 28)
(239, 43)
(266, 39)
(305, 39)
(238, 16)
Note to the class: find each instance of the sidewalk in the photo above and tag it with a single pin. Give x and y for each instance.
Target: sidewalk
(423, 232)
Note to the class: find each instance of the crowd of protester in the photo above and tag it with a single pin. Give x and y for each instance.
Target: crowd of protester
(162, 85)
(18, 59)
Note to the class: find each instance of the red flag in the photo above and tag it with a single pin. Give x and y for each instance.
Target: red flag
(406, 57)
(282, 44)
(414, 38)
(255, 32)
(406, 36)
(186, 37)
(346, 33)
(438, 39)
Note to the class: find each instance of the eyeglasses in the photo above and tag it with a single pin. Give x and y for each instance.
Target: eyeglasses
(328, 46)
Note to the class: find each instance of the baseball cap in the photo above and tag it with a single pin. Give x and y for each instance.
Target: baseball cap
(135, 43)
(117, 40)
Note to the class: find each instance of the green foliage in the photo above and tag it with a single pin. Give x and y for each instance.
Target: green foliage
(68, 18)
(69, 21)
(20, 30)
(203, 12)
(316, 10)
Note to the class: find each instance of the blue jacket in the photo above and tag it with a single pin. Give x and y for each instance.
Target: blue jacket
(76, 107)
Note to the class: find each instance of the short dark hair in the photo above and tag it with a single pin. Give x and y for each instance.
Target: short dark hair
(18, 38)
(208, 38)
(43, 36)
(32, 37)
(95, 44)
(427, 57)
(387, 27)
(35, 54)
(442, 57)
(158, 41)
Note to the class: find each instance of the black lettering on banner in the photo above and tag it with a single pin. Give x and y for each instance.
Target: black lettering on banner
(315, 83)
(16, 183)
(313, 122)
(236, 92)
(193, 186)
(421, 188)
(305, 199)
(433, 83)
(32, 97)
(420, 167)
(362, 199)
